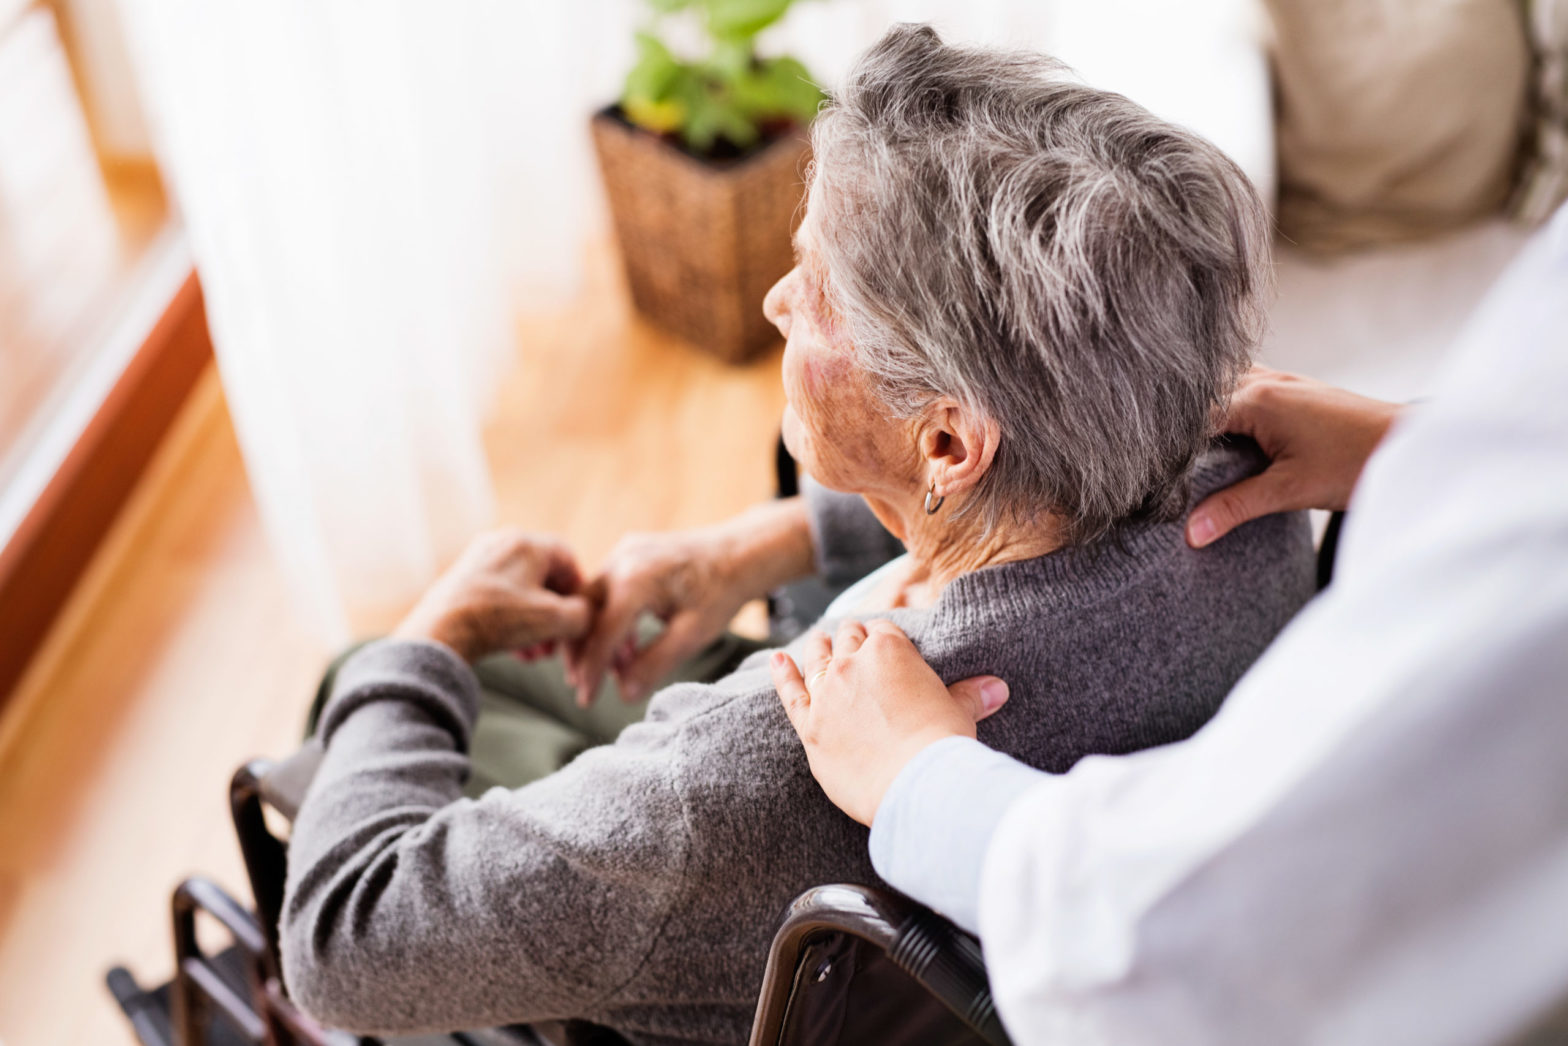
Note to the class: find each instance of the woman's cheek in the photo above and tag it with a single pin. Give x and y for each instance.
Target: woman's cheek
(824, 427)
(793, 434)
(818, 373)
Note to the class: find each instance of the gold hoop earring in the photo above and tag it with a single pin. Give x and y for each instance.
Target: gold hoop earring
(931, 509)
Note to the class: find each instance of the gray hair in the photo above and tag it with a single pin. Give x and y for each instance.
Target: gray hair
(1051, 255)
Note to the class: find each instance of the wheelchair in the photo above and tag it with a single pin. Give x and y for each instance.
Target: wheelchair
(849, 964)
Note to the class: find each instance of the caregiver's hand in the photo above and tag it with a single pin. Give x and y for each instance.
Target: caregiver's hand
(507, 591)
(867, 704)
(695, 581)
(1317, 438)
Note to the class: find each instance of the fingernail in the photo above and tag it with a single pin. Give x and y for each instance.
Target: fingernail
(993, 694)
(1200, 530)
(778, 659)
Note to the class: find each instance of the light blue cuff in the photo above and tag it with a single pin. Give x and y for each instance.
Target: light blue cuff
(935, 823)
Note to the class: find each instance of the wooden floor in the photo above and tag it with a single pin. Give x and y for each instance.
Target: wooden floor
(181, 656)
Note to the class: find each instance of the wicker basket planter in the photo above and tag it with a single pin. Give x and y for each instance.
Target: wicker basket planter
(702, 241)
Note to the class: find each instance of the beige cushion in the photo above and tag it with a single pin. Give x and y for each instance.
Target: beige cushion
(1397, 118)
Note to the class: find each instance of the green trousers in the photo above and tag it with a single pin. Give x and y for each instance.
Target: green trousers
(529, 722)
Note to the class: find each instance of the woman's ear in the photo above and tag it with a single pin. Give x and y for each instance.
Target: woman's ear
(957, 445)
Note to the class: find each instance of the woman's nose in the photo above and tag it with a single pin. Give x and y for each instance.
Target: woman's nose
(776, 306)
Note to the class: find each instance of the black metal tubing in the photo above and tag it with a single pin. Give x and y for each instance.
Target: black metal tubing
(197, 986)
(948, 962)
(148, 1019)
(1328, 551)
(266, 858)
(786, 476)
(942, 958)
(267, 1016)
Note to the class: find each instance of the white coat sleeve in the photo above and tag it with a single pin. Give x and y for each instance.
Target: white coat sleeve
(1369, 843)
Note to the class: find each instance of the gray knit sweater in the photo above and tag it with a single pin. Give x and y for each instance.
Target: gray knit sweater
(640, 886)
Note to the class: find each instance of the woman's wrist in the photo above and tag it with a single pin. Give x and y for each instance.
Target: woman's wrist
(443, 631)
(766, 546)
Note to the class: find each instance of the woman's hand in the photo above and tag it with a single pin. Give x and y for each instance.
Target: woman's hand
(867, 703)
(696, 581)
(507, 591)
(1317, 438)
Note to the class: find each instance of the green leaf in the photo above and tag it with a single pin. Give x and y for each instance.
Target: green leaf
(775, 89)
(712, 115)
(658, 117)
(654, 75)
(743, 19)
(730, 60)
(797, 92)
(729, 95)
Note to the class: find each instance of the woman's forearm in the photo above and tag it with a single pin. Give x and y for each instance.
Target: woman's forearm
(768, 545)
(408, 908)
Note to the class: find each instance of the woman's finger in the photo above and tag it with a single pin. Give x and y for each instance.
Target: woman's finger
(644, 668)
(561, 572)
(542, 615)
(792, 689)
(614, 624)
(848, 638)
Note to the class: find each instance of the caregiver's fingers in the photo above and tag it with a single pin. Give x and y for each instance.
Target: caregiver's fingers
(816, 653)
(881, 626)
(1252, 498)
(791, 686)
(848, 638)
(979, 695)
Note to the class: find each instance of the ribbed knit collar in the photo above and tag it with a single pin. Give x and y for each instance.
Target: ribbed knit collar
(1086, 574)
(1073, 576)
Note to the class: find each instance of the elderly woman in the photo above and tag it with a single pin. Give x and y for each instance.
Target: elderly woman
(1019, 305)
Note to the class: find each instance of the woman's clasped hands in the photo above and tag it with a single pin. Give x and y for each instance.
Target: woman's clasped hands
(525, 593)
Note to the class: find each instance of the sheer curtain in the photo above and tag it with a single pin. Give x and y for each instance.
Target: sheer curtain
(373, 189)
(370, 192)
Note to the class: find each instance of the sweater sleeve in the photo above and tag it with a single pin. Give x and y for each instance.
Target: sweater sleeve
(409, 908)
(849, 540)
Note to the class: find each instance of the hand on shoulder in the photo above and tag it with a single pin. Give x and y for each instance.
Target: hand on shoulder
(1317, 437)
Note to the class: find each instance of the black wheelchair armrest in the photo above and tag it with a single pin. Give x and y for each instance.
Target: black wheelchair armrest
(944, 960)
(257, 786)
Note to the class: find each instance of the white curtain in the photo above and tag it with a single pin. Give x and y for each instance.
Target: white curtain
(370, 190)
(373, 189)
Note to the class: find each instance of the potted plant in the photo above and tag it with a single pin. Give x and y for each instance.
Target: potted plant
(702, 161)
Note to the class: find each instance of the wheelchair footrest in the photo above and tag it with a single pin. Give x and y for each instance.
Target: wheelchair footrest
(148, 1008)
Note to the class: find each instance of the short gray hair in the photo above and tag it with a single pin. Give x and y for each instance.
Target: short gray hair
(1051, 255)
